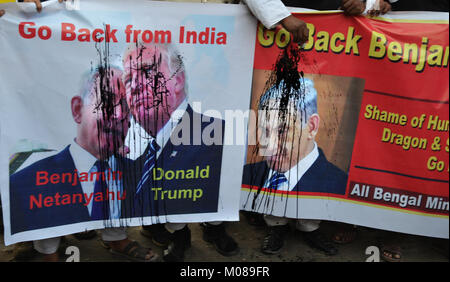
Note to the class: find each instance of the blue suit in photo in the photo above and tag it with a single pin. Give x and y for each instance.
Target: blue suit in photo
(322, 176)
(26, 215)
(148, 202)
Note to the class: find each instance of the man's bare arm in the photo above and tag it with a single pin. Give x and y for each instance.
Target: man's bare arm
(273, 12)
(37, 2)
(297, 27)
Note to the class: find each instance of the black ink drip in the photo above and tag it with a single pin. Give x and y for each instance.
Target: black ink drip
(153, 81)
(107, 86)
(286, 88)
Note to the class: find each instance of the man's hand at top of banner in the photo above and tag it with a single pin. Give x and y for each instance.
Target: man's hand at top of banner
(39, 5)
(297, 27)
(383, 8)
(37, 2)
(353, 7)
(358, 7)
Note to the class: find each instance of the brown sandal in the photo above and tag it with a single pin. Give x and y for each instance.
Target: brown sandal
(391, 253)
(133, 251)
(345, 235)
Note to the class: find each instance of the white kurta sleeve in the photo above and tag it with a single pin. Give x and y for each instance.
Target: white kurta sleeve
(268, 12)
(374, 5)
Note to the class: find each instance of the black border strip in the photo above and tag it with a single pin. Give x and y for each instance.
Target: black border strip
(401, 174)
(407, 98)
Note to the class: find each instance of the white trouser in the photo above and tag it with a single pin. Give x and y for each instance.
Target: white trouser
(51, 245)
(305, 225)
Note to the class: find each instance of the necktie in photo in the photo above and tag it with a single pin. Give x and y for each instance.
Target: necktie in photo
(277, 180)
(100, 209)
(148, 166)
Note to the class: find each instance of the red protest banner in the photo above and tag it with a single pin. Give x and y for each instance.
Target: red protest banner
(383, 94)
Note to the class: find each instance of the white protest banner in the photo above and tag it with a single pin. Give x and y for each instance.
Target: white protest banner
(121, 113)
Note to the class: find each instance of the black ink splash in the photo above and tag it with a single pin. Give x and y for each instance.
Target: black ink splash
(152, 74)
(112, 117)
(284, 92)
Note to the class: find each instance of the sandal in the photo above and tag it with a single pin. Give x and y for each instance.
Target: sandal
(391, 253)
(133, 251)
(345, 235)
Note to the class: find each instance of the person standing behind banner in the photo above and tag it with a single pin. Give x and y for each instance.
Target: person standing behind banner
(156, 86)
(273, 12)
(390, 250)
(389, 242)
(24, 251)
(101, 114)
(292, 161)
(346, 233)
(37, 2)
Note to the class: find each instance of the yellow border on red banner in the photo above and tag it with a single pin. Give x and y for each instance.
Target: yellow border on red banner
(380, 18)
(353, 202)
(410, 21)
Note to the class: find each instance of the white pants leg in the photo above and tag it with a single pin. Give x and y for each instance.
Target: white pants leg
(47, 246)
(215, 222)
(114, 234)
(172, 227)
(307, 225)
(275, 220)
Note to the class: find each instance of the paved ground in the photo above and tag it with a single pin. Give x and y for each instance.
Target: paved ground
(414, 248)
